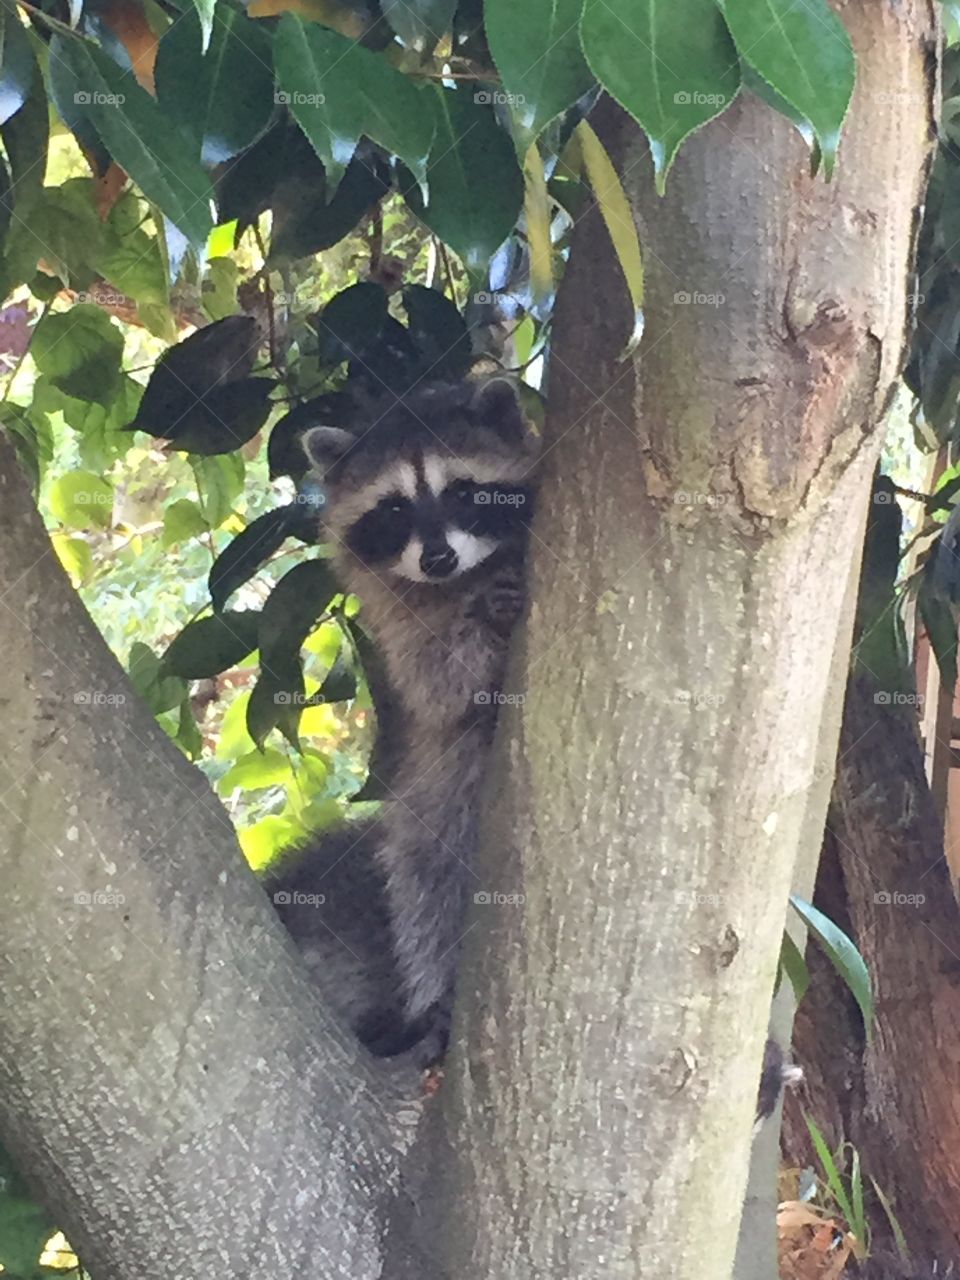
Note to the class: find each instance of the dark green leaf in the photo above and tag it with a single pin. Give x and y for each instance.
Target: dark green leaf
(536, 46)
(420, 24)
(339, 685)
(160, 691)
(212, 645)
(26, 137)
(476, 187)
(224, 419)
(136, 132)
(17, 63)
(223, 99)
(672, 66)
(294, 607)
(439, 332)
(304, 223)
(186, 374)
(277, 700)
(351, 322)
(188, 736)
(842, 954)
(80, 352)
(25, 1227)
(240, 559)
(337, 91)
(804, 53)
(793, 964)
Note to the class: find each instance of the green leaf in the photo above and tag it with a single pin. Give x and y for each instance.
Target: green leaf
(672, 66)
(476, 187)
(804, 53)
(536, 48)
(225, 418)
(618, 219)
(439, 331)
(219, 484)
(205, 12)
(793, 964)
(130, 258)
(337, 91)
(212, 645)
(293, 608)
(339, 684)
(350, 323)
(80, 352)
(160, 691)
(277, 701)
(26, 137)
(17, 63)
(842, 954)
(59, 225)
(304, 222)
(80, 500)
(420, 24)
(199, 91)
(241, 558)
(182, 520)
(256, 770)
(137, 133)
(25, 1226)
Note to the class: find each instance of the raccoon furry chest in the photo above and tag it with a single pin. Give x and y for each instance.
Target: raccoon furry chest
(429, 503)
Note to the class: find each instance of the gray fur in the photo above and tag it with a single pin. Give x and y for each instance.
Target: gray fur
(384, 942)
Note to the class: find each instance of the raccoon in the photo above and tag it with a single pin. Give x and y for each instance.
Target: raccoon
(428, 505)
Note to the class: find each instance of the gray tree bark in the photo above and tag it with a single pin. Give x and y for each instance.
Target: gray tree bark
(702, 513)
(167, 1078)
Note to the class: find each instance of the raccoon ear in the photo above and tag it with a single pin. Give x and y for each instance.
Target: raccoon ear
(324, 445)
(496, 405)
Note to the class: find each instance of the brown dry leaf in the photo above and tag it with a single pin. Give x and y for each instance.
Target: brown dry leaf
(330, 12)
(129, 24)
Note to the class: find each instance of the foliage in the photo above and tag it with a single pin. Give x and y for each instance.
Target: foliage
(194, 275)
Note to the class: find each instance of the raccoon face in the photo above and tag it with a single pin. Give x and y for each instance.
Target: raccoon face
(432, 487)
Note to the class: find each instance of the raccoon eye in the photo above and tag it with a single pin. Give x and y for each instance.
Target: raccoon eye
(464, 491)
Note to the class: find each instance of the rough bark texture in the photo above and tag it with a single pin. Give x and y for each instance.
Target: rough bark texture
(884, 877)
(703, 503)
(167, 1078)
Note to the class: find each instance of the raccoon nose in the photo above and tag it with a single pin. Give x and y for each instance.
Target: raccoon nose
(438, 562)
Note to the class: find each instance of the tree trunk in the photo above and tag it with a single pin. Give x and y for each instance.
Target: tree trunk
(702, 506)
(167, 1078)
(883, 876)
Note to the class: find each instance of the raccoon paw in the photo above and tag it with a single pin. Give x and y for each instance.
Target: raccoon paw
(503, 605)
